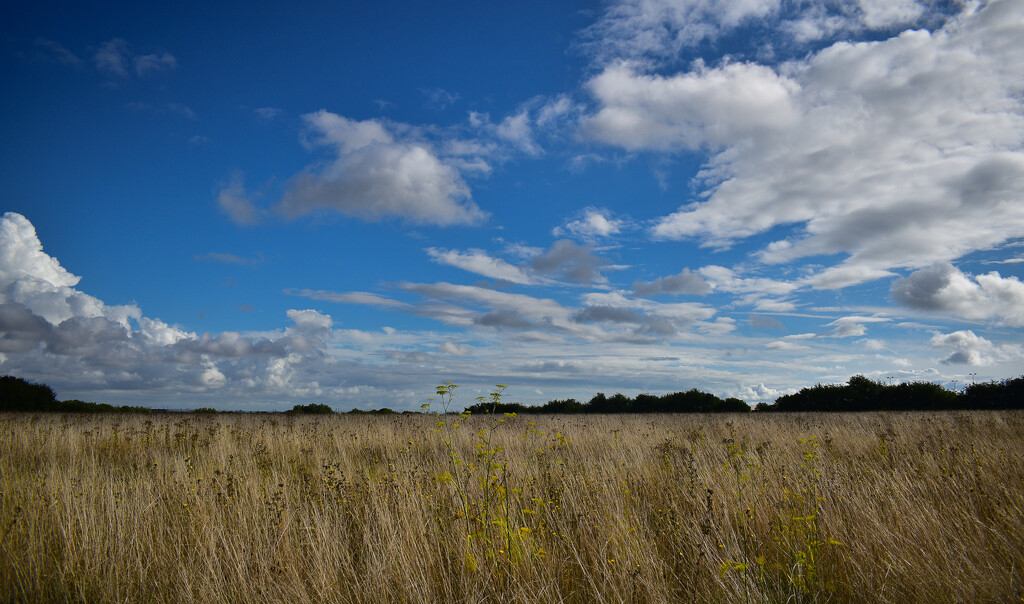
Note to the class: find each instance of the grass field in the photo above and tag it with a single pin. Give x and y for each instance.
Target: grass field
(870, 507)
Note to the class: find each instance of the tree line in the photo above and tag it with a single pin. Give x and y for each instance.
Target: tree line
(863, 394)
(691, 401)
(858, 394)
(17, 394)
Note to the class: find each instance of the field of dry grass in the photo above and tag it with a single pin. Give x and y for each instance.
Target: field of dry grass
(656, 508)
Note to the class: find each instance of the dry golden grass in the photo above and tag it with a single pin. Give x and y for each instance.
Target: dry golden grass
(244, 508)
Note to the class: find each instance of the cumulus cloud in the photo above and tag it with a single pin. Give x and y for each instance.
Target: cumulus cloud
(516, 129)
(455, 350)
(943, 287)
(659, 29)
(310, 321)
(755, 289)
(595, 222)
(21, 330)
(571, 261)
(704, 108)
(612, 314)
(972, 349)
(234, 201)
(31, 277)
(685, 282)
(374, 175)
(53, 332)
(823, 21)
(890, 154)
(507, 318)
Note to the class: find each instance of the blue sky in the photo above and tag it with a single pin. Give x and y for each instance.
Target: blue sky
(252, 206)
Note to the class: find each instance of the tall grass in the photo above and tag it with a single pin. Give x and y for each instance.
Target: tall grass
(746, 508)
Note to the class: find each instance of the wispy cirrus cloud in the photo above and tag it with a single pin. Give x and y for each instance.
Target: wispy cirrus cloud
(479, 262)
(116, 59)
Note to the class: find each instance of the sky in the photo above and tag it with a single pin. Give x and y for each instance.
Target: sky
(254, 206)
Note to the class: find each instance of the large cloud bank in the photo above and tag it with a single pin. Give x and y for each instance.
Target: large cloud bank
(63, 336)
(891, 154)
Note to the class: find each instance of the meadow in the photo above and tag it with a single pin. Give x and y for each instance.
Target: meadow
(868, 507)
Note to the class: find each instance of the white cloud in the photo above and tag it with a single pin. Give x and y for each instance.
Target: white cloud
(595, 222)
(110, 58)
(455, 350)
(58, 53)
(685, 282)
(516, 130)
(844, 275)
(477, 261)
(659, 29)
(879, 14)
(153, 62)
(725, 279)
(115, 59)
(846, 327)
(374, 176)
(711, 108)
(823, 21)
(234, 201)
(541, 310)
(267, 113)
(22, 256)
(759, 393)
(891, 154)
(553, 111)
(945, 288)
(367, 298)
(311, 321)
(972, 349)
(32, 278)
(439, 98)
(571, 261)
(57, 334)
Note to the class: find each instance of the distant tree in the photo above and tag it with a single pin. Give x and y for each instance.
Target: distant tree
(647, 403)
(1007, 394)
(17, 394)
(488, 407)
(863, 394)
(598, 404)
(620, 403)
(734, 405)
(569, 405)
(691, 401)
(311, 409)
